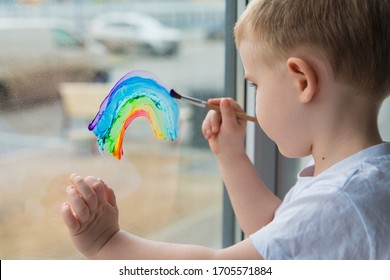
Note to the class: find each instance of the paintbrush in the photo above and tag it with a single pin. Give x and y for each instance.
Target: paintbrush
(205, 104)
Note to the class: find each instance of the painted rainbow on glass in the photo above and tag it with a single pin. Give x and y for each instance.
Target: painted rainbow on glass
(138, 94)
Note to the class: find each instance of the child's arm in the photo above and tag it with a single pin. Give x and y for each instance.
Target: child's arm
(124, 245)
(254, 205)
(92, 219)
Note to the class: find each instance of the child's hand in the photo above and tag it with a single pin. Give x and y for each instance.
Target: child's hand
(91, 214)
(225, 133)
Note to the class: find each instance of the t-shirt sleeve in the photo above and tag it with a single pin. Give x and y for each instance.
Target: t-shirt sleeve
(314, 226)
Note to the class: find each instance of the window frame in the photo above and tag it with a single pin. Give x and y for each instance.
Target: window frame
(278, 172)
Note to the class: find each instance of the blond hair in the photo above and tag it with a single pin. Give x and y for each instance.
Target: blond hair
(354, 35)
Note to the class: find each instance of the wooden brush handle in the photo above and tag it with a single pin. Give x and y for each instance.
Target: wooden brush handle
(240, 115)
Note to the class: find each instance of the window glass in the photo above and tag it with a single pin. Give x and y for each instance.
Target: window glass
(166, 191)
(64, 38)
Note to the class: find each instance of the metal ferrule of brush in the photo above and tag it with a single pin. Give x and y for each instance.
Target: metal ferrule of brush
(195, 101)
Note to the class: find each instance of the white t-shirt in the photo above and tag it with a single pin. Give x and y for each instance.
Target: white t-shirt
(343, 213)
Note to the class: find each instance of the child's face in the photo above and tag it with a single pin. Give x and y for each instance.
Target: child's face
(278, 109)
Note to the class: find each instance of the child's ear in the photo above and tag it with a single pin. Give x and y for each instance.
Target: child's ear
(305, 78)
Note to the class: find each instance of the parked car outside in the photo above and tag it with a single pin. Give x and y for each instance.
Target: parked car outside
(125, 32)
(37, 54)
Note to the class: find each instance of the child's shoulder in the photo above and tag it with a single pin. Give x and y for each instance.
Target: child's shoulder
(370, 182)
(367, 172)
(375, 166)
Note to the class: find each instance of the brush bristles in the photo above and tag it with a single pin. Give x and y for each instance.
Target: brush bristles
(174, 94)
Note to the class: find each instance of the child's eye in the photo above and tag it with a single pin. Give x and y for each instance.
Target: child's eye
(250, 84)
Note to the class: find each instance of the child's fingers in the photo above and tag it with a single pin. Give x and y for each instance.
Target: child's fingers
(227, 112)
(215, 121)
(228, 106)
(109, 195)
(88, 190)
(99, 189)
(105, 193)
(212, 120)
(214, 101)
(69, 219)
(233, 104)
(78, 205)
(211, 124)
(215, 117)
(206, 128)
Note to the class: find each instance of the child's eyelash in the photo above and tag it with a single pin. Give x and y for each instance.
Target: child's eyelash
(250, 84)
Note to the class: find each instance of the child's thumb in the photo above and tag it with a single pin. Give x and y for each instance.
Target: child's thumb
(227, 112)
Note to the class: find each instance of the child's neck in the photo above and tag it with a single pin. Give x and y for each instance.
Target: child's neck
(348, 147)
(347, 131)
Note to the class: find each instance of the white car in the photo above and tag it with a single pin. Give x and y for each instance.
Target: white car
(124, 32)
(37, 54)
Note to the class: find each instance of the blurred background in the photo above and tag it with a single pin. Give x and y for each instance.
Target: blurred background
(58, 60)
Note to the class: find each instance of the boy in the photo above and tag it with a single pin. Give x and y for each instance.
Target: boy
(321, 72)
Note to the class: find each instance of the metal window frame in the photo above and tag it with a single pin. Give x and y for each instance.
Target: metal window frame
(278, 172)
(229, 225)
